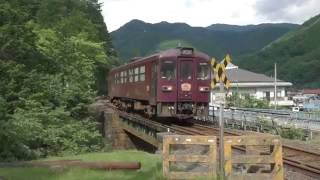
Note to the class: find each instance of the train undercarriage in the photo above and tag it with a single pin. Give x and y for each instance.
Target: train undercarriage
(179, 110)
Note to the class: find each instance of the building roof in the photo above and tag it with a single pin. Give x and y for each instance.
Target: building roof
(311, 91)
(241, 75)
(244, 78)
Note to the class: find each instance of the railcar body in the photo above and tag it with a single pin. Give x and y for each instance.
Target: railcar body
(175, 82)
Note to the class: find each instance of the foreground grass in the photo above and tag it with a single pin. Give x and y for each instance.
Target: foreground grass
(150, 168)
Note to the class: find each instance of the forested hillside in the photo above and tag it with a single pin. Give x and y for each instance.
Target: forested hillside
(137, 38)
(297, 55)
(54, 55)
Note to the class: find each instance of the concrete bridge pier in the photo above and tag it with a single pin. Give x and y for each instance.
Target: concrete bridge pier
(114, 132)
(120, 132)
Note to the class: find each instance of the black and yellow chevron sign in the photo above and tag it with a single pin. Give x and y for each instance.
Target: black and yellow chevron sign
(219, 70)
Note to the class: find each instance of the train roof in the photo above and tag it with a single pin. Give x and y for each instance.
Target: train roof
(167, 54)
(179, 52)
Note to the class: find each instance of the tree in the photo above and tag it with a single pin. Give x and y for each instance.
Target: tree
(51, 53)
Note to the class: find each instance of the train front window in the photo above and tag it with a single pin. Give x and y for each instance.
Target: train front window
(186, 70)
(168, 70)
(203, 72)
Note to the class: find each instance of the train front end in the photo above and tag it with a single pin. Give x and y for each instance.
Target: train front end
(184, 83)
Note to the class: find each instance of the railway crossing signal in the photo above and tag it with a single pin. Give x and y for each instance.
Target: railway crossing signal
(219, 70)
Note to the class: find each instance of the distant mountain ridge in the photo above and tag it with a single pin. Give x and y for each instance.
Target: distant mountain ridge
(227, 27)
(138, 38)
(297, 55)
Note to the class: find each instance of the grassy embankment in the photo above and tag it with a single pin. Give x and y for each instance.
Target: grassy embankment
(150, 168)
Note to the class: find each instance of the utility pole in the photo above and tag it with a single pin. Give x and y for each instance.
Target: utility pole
(275, 86)
(238, 96)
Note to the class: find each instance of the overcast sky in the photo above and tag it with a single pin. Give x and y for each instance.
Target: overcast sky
(206, 12)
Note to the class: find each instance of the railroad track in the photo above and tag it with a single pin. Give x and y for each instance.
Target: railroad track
(296, 159)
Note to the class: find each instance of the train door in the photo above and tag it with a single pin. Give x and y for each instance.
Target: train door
(153, 88)
(185, 77)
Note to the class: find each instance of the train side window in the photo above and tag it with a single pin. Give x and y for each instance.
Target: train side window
(142, 73)
(203, 71)
(136, 74)
(125, 76)
(130, 75)
(118, 77)
(115, 78)
(121, 77)
(168, 70)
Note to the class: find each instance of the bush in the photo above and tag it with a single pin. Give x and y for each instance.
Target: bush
(40, 131)
(246, 102)
(292, 133)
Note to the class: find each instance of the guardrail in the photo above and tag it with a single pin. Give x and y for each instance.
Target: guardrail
(282, 118)
(301, 115)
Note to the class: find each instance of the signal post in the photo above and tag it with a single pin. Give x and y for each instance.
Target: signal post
(220, 76)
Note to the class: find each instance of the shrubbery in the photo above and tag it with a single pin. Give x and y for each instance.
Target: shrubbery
(292, 133)
(246, 102)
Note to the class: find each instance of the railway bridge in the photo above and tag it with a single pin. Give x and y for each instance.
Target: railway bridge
(127, 130)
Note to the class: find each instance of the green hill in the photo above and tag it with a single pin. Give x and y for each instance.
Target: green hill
(297, 55)
(138, 38)
(227, 27)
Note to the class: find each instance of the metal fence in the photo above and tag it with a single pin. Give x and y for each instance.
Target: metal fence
(301, 115)
(304, 120)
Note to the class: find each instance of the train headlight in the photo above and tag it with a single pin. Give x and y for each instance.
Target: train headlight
(167, 88)
(204, 89)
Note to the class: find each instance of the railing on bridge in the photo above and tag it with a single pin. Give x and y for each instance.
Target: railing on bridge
(304, 120)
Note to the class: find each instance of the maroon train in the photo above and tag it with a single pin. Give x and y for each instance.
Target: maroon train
(172, 83)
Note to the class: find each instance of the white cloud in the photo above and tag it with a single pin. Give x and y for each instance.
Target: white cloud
(296, 11)
(207, 12)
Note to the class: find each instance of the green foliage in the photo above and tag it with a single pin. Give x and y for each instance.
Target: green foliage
(246, 102)
(52, 59)
(297, 55)
(292, 133)
(138, 38)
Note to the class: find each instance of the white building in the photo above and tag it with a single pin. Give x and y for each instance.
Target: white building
(260, 86)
